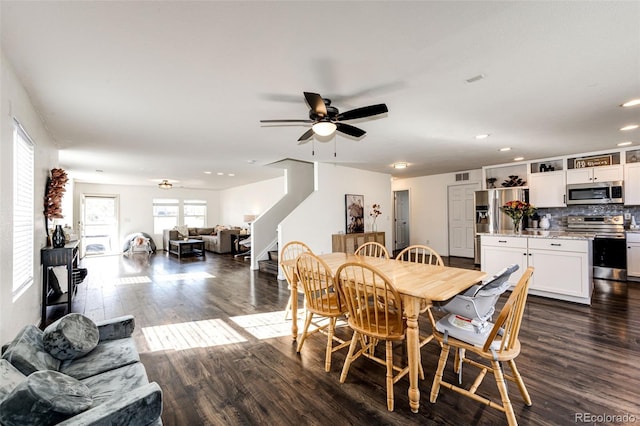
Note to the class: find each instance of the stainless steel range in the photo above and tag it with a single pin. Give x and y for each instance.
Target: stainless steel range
(609, 244)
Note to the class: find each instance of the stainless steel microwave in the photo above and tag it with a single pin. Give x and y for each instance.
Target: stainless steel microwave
(595, 193)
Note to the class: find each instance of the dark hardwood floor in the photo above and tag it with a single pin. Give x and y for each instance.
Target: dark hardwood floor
(218, 369)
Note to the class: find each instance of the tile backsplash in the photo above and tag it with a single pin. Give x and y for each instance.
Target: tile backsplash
(559, 214)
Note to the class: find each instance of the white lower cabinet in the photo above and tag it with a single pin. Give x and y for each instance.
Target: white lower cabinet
(562, 267)
(633, 256)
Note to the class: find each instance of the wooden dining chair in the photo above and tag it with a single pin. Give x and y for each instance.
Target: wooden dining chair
(322, 299)
(420, 254)
(375, 313)
(291, 251)
(498, 345)
(372, 249)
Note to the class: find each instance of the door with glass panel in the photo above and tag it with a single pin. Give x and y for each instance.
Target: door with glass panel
(99, 225)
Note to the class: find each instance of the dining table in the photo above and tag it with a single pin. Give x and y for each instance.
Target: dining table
(418, 284)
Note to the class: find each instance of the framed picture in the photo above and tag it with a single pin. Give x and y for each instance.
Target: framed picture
(354, 213)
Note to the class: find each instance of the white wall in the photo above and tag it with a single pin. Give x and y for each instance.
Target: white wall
(136, 205)
(15, 102)
(323, 212)
(428, 205)
(254, 198)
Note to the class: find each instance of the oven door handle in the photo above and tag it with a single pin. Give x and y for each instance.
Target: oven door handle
(609, 237)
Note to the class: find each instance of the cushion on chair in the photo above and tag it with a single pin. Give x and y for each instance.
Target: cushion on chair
(44, 398)
(26, 352)
(71, 337)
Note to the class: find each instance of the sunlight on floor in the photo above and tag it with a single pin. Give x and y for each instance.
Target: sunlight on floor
(184, 276)
(273, 324)
(186, 335)
(141, 279)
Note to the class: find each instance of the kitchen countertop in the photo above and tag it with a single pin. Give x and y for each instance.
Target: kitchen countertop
(531, 233)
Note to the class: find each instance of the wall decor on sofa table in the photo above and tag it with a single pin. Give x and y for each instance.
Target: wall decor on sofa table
(354, 213)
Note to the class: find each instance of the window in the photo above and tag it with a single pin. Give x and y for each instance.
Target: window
(165, 214)
(23, 208)
(195, 213)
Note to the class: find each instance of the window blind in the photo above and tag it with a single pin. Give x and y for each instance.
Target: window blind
(23, 209)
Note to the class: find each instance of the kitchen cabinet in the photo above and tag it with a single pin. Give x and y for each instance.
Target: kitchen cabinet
(632, 184)
(547, 189)
(349, 243)
(595, 174)
(563, 267)
(633, 256)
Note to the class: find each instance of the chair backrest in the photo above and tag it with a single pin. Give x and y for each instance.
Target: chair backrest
(504, 334)
(373, 249)
(320, 293)
(373, 303)
(291, 251)
(420, 254)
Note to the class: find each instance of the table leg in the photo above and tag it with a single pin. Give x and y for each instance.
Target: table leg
(294, 307)
(412, 310)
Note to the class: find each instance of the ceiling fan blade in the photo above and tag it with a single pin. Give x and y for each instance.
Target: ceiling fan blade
(287, 121)
(363, 112)
(349, 130)
(305, 137)
(316, 103)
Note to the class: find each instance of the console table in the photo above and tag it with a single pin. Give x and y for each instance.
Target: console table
(349, 243)
(190, 247)
(50, 257)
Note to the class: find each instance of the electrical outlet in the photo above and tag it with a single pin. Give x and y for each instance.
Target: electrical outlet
(627, 216)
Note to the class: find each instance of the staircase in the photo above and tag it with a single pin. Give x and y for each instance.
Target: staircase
(269, 265)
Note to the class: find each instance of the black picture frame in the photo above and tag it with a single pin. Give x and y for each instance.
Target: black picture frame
(354, 213)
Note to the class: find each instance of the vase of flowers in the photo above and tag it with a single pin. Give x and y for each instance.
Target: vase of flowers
(516, 210)
(374, 213)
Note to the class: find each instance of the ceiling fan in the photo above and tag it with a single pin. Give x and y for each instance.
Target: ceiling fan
(326, 119)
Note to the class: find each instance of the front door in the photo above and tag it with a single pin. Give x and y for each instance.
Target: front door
(99, 227)
(461, 218)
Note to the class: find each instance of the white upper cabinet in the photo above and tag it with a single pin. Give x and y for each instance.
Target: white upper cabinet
(632, 184)
(595, 174)
(547, 189)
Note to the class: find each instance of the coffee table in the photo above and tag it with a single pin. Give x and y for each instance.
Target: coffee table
(189, 247)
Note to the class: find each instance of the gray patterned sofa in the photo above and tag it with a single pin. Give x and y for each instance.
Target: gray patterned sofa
(77, 372)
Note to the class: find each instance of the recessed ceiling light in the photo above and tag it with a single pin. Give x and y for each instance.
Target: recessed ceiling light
(629, 127)
(400, 165)
(518, 159)
(625, 143)
(631, 103)
(251, 161)
(505, 149)
(220, 174)
(482, 136)
(207, 173)
(231, 174)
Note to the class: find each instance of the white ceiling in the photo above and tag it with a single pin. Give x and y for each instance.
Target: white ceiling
(149, 90)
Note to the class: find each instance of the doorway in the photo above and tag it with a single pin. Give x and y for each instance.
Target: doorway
(99, 226)
(461, 219)
(401, 218)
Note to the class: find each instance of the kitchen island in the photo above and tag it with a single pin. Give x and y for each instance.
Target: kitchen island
(563, 261)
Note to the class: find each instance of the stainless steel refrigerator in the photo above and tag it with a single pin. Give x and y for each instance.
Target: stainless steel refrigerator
(489, 217)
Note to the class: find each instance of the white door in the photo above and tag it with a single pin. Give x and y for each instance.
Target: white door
(461, 217)
(401, 217)
(99, 227)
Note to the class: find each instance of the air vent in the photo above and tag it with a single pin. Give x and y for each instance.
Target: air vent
(462, 176)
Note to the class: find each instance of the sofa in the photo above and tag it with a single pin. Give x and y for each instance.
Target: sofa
(77, 372)
(217, 240)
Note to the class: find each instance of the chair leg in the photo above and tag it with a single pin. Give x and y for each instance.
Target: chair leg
(389, 360)
(504, 394)
(307, 322)
(520, 382)
(437, 378)
(288, 308)
(329, 351)
(349, 357)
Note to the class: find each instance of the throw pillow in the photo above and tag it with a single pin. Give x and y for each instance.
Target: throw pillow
(72, 336)
(183, 231)
(193, 232)
(45, 398)
(26, 352)
(10, 378)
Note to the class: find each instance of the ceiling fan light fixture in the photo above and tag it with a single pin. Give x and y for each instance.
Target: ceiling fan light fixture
(400, 165)
(165, 184)
(324, 128)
